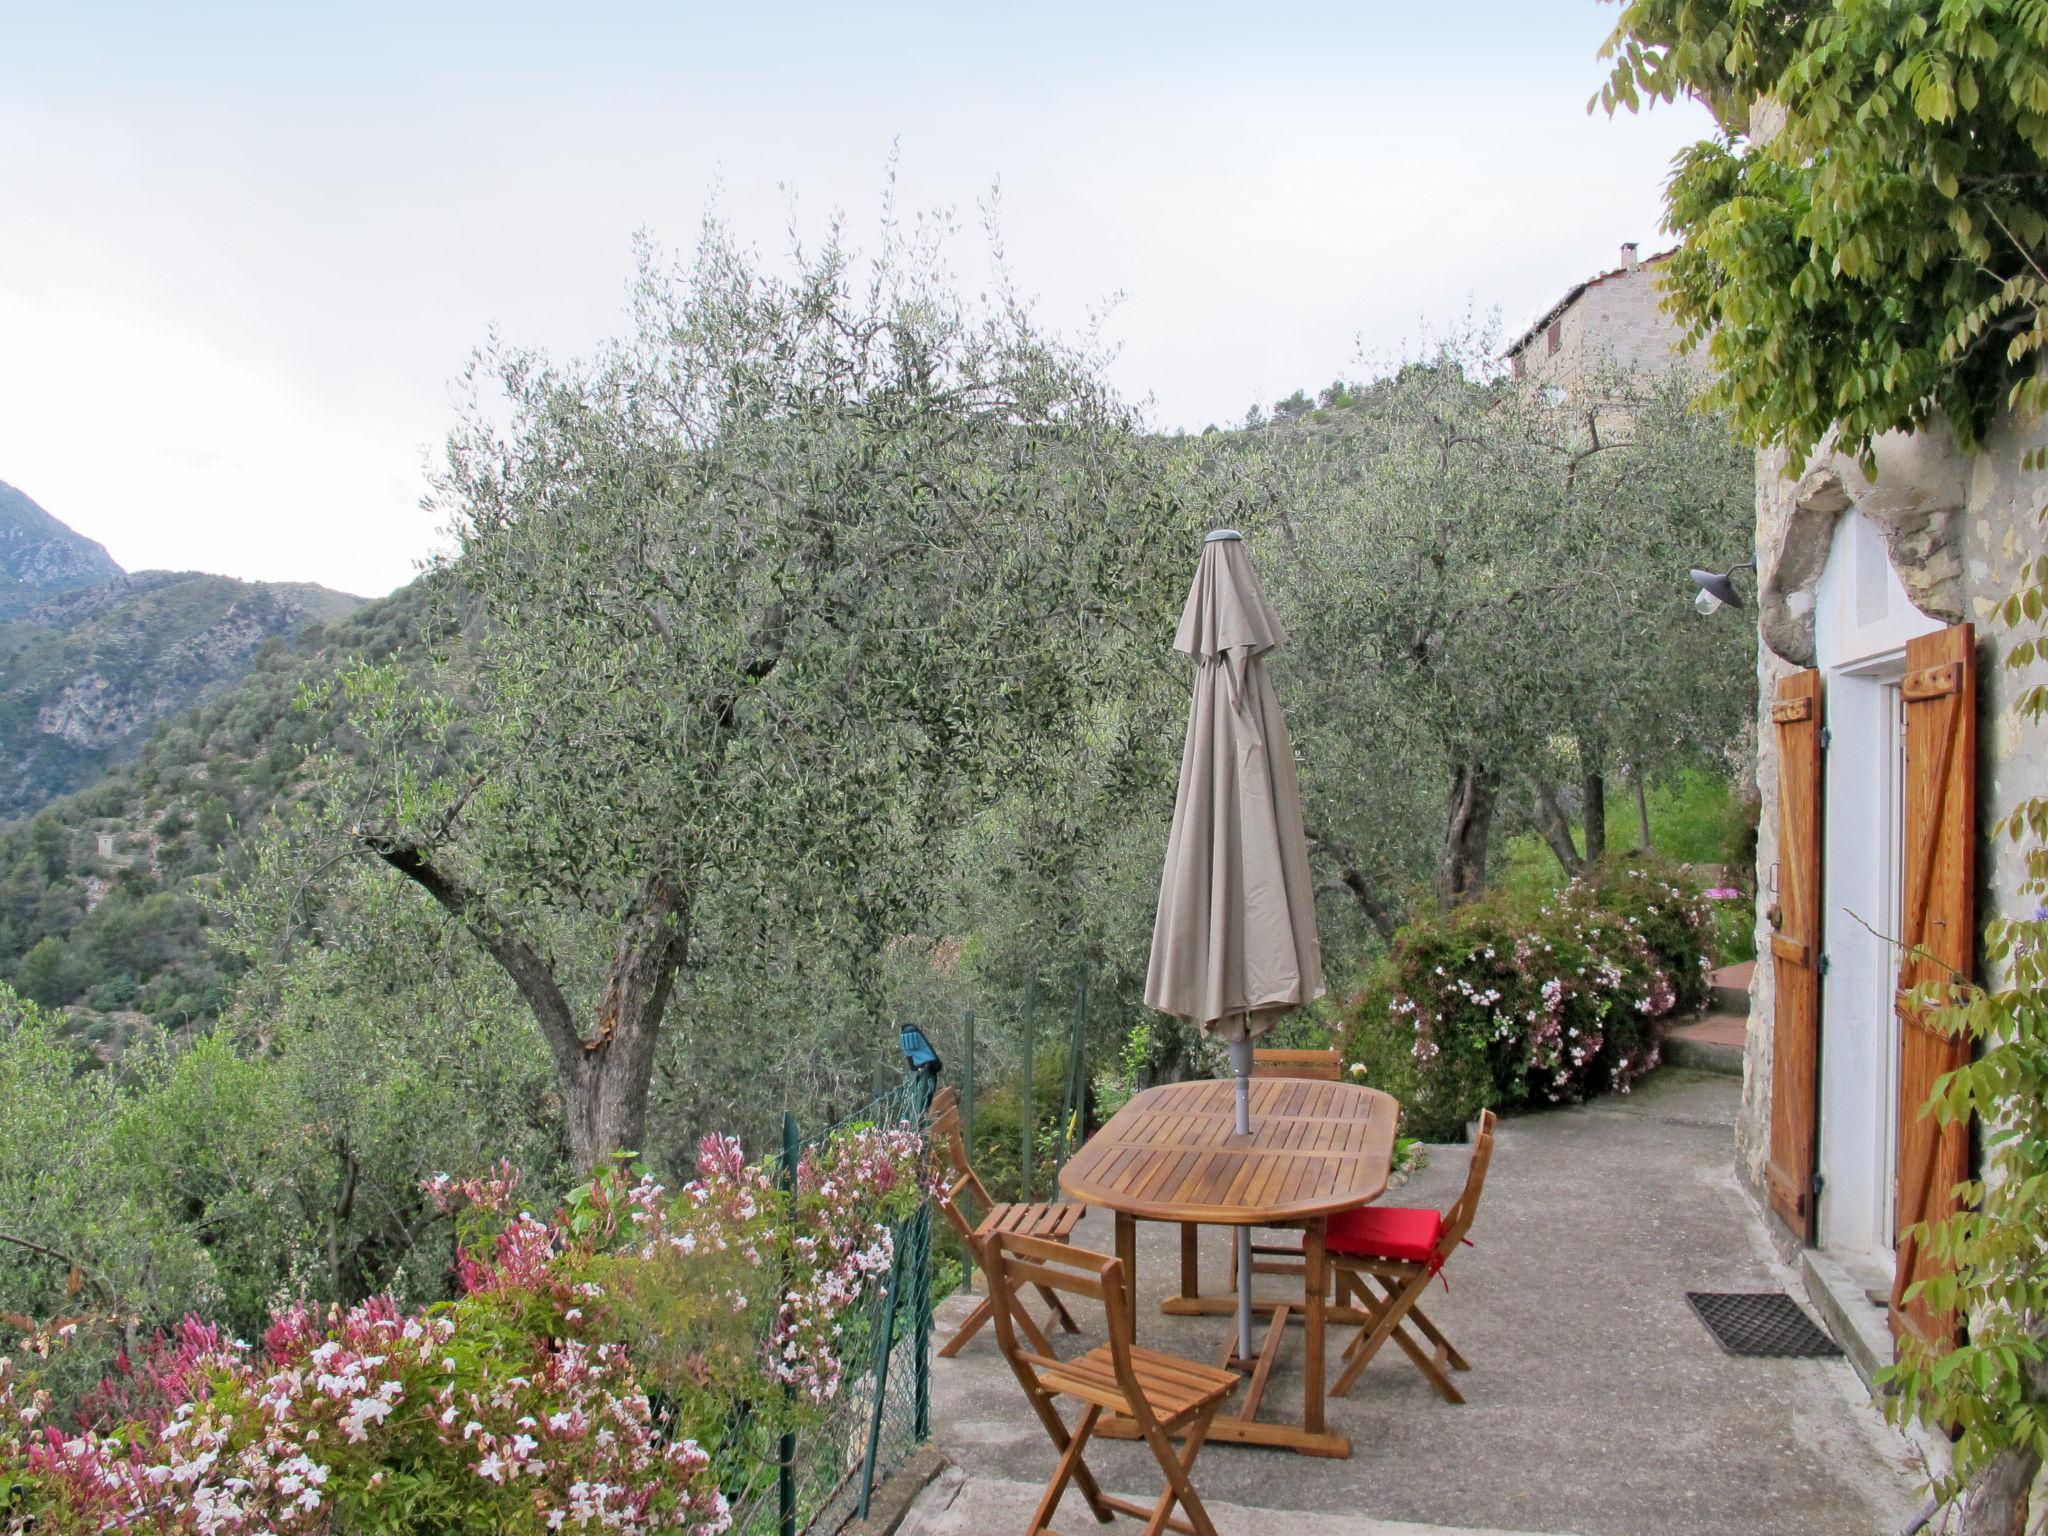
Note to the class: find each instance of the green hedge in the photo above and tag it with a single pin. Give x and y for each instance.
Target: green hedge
(1527, 999)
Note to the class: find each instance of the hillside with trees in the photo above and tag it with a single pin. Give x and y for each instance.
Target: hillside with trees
(99, 889)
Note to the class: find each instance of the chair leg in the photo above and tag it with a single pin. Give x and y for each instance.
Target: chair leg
(1430, 1365)
(1387, 1320)
(1031, 1331)
(1372, 1306)
(1060, 1314)
(1429, 1331)
(1426, 1363)
(1180, 1487)
(976, 1321)
(1071, 1465)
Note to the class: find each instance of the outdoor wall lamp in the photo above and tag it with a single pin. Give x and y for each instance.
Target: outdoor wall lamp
(917, 1050)
(1717, 588)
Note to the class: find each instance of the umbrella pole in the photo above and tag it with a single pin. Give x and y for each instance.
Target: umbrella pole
(1241, 1070)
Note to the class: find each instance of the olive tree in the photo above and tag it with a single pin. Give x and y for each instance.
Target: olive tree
(756, 600)
(1486, 580)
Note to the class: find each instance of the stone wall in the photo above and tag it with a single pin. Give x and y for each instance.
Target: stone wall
(1957, 527)
(2000, 531)
(1774, 515)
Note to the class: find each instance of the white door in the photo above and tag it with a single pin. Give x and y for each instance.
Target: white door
(1863, 620)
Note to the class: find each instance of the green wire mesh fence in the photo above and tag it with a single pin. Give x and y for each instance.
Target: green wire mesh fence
(822, 1478)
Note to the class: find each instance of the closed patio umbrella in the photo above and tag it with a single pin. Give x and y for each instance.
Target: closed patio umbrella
(1234, 945)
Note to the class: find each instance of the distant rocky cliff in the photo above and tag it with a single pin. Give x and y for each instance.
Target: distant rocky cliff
(92, 657)
(40, 557)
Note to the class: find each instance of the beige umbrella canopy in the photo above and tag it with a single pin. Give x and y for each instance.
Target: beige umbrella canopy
(1234, 944)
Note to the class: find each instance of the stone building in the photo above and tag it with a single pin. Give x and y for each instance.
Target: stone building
(1887, 749)
(1613, 322)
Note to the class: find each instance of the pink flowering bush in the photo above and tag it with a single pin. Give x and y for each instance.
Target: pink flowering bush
(615, 1368)
(1513, 1002)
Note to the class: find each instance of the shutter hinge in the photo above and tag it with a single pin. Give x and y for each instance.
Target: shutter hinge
(1824, 962)
(1827, 737)
(1816, 1184)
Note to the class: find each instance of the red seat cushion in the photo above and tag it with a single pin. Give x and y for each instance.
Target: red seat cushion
(1404, 1232)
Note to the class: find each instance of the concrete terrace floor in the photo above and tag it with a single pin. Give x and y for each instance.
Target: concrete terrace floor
(1597, 1403)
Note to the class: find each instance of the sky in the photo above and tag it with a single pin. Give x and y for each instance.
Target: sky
(245, 250)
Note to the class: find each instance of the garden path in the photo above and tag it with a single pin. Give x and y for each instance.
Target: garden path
(1597, 1404)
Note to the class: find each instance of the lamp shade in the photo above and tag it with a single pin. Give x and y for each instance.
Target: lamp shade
(917, 1050)
(1717, 585)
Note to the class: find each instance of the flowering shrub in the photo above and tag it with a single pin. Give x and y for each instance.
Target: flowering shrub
(1513, 1003)
(550, 1395)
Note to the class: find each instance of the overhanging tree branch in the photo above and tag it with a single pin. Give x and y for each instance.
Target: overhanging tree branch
(1353, 880)
(518, 959)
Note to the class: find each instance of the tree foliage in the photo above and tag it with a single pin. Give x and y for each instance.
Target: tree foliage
(1874, 264)
(84, 1229)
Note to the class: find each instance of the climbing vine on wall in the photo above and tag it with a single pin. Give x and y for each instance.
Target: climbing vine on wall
(1877, 261)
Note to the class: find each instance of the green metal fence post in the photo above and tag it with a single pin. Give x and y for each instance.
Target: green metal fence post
(967, 1083)
(1070, 1101)
(921, 1278)
(785, 1472)
(884, 1346)
(1025, 1090)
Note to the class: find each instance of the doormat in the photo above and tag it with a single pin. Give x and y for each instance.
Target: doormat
(1761, 1323)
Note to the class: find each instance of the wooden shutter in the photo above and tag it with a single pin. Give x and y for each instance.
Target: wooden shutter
(1795, 953)
(1939, 942)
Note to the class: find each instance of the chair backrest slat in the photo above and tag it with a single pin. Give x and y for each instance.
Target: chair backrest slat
(1326, 1066)
(1458, 1219)
(1024, 1272)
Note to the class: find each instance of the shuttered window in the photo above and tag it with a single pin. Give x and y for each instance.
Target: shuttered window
(1938, 943)
(1795, 953)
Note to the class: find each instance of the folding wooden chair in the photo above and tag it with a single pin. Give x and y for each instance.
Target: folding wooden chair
(1400, 1249)
(1163, 1395)
(1053, 1222)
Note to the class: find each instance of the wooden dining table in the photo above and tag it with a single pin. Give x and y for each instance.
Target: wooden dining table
(1173, 1154)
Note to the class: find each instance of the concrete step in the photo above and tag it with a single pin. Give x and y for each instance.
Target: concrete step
(1713, 1043)
(1841, 1294)
(1731, 987)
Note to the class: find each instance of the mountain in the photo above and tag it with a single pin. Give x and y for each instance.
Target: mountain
(100, 909)
(40, 557)
(91, 657)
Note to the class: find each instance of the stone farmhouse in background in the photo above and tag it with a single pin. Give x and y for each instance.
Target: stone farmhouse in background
(1613, 322)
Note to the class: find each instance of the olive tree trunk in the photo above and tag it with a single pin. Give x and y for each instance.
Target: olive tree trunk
(607, 1072)
(1999, 1500)
(1555, 826)
(1593, 808)
(1468, 828)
